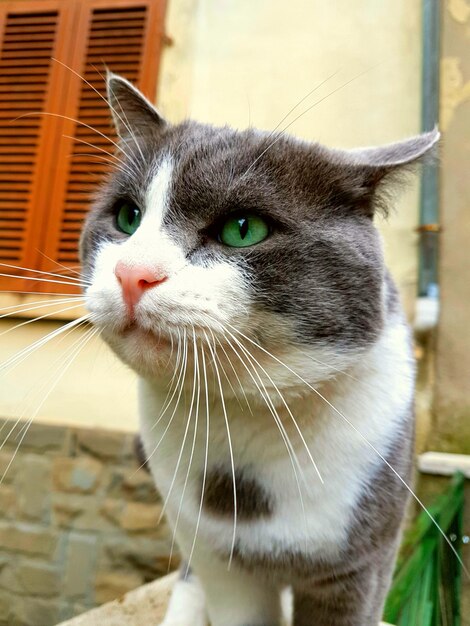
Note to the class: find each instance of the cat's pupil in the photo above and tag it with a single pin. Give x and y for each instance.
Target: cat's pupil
(243, 226)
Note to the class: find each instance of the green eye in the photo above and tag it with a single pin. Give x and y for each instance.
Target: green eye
(128, 218)
(242, 231)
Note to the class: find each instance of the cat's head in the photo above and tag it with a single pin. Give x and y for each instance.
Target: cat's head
(223, 237)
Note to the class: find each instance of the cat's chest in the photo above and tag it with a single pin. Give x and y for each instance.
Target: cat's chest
(295, 488)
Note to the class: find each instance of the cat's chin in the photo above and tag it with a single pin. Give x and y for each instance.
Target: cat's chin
(145, 351)
(144, 337)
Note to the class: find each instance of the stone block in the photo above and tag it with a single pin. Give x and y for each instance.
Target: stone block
(66, 508)
(76, 475)
(133, 516)
(9, 579)
(112, 510)
(112, 585)
(8, 465)
(80, 563)
(42, 438)
(132, 483)
(100, 443)
(80, 512)
(39, 579)
(33, 483)
(150, 557)
(138, 517)
(27, 539)
(34, 612)
(7, 501)
(4, 559)
(68, 610)
(5, 604)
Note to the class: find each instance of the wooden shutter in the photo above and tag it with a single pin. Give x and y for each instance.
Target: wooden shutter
(124, 37)
(29, 40)
(45, 183)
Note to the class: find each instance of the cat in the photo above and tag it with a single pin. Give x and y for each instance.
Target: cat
(240, 275)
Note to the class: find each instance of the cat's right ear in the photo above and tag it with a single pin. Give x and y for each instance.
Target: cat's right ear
(133, 115)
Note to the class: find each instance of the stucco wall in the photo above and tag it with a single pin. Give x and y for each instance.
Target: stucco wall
(249, 63)
(452, 406)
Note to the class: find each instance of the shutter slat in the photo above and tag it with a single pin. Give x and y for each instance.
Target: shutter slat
(25, 64)
(116, 40)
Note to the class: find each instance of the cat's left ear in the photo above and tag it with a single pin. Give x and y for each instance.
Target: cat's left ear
(378, 167)
(133, 115)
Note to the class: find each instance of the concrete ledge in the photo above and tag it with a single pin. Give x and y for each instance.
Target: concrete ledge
(145, 605)
(444, 463)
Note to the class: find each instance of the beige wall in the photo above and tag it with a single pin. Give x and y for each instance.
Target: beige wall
(246, 63)
(242, 63)
(452, 404)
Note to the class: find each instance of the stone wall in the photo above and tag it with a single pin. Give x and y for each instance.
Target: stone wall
(78, 523)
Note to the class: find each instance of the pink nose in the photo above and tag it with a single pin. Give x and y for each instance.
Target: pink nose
(135, 280)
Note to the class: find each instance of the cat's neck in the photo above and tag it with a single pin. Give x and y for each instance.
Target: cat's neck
(378, 378)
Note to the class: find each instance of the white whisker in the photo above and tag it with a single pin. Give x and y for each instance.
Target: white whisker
(236, 375)
(367, 442)
(72, 119)
(181, 386)
(67, 269)
(284, 436)
(40, 342)
(37, 304)
(206, 456)
(223, 370)
(232, 462)
(72, 283)
(125, 123)
(180, 455)
(110, 154)
(59, 377)
(307, 449)
(181, 377)
(196, 418)
(42, 293)
(41, 317)
(33, 271)
(282, 133)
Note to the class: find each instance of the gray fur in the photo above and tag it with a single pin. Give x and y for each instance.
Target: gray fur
(320, 203)
(139, 452)
(252, 501)
(351, 590)
(321, 267)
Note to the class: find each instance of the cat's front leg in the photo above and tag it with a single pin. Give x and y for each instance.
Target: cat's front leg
(187, 606)
(237, 598)
(351, 599)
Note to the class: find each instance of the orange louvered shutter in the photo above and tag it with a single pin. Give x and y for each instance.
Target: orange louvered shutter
(126, 38)
(49, 163)
(29, 39)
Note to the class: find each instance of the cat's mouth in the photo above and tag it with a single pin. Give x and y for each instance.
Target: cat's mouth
(155, 339)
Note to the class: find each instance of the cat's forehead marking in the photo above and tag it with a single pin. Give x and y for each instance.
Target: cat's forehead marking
(158, 192)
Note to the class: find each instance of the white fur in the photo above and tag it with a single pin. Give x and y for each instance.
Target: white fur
(235, 597)
(187, 606)
(158, 194)
(375, 402)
